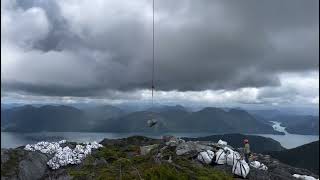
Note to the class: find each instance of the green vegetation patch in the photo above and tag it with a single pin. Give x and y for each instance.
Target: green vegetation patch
(121, 166)
(109, 153)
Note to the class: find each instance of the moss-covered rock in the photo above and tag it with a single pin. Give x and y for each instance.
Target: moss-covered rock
(10, 161)
(21, 164)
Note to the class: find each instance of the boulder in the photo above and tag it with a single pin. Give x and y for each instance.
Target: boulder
(4, 155)
(33, 166)
(191, 147)
(174, 141)
(144, 150)
(22, 164)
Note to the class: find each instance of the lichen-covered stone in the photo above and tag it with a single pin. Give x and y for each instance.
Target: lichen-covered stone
(144, 150)
(191, 147)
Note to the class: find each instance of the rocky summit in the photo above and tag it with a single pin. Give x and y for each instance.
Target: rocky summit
(140, 157)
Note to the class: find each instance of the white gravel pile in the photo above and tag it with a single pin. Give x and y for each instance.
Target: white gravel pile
(45, 147)
(258, 165)
(63, 156)
(304, 177)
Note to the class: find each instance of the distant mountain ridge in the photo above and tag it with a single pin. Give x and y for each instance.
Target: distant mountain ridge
(96, 114)
(266, 114)
(45, 118)
(167, 108)
(113, 119)
(305, 156)
(214, 120)
(295, 124)
(306, 125)
(221, 121)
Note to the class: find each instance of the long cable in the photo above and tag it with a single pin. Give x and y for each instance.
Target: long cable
(152, 88)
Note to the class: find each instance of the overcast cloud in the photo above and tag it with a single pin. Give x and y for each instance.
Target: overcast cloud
(207, 50)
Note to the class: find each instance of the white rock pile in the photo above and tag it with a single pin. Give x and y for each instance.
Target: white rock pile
(174, 141)
(63, 156)
(304, 177)
(45, 147)
(258, 165)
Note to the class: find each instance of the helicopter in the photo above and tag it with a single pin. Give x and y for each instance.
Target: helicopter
(152, 122)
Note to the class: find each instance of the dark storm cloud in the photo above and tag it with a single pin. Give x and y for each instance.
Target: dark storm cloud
(106, 45)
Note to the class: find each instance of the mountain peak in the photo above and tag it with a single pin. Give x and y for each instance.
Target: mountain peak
(212, 109)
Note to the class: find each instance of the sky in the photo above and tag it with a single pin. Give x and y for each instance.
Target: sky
(209, 52)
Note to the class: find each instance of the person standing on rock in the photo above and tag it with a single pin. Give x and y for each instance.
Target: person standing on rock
(246, 150)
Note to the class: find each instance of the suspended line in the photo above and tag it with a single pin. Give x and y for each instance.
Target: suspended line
(152, 88)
